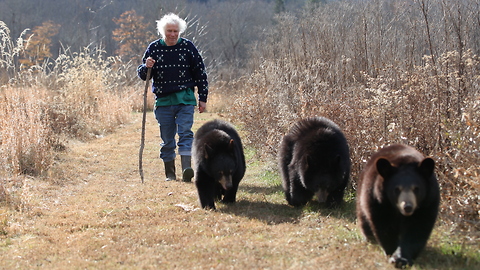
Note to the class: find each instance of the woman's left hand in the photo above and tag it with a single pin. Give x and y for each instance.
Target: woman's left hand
(202, 106)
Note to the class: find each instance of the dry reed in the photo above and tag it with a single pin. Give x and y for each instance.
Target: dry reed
(79, 95)
(433, 106)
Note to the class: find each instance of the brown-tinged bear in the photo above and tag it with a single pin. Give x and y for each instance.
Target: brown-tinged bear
(219, 162)
(397, 202)
(314, 159)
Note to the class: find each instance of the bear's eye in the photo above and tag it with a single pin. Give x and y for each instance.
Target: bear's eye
(415, 189)
(398, 190)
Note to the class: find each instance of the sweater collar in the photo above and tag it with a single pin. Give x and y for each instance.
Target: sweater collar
(165, 44)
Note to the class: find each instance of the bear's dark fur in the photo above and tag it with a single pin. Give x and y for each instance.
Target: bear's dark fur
(397, 202)
(314, 159)
(219, 162)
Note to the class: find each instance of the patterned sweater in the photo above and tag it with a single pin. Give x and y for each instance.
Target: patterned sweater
(176, 68)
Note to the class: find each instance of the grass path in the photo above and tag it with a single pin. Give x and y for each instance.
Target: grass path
(97, 215)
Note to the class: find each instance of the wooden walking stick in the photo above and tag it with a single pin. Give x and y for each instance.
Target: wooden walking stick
(142, 141)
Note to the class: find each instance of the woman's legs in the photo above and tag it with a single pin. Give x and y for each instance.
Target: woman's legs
(185, 139)
(174, 120)
(184, 121)
(166, 120)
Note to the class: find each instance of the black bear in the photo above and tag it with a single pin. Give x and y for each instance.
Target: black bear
(314, 159)
(397, 201)
(219, 162)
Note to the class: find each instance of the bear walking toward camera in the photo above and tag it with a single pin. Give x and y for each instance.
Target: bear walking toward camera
(397, 202)
(219, 162)
(314, 159)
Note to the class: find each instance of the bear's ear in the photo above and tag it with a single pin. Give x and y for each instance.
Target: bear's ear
(384, 168)
(207, 150)
(230, 145)
(426, 167)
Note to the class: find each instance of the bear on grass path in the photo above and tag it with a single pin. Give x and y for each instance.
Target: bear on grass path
(397, 202)
(219, 163)
(314, 159)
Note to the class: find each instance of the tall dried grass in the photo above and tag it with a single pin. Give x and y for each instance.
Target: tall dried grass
(9, 52)
(26, 138)
(301, 70)
(89, 95)
(78, 95)
(82, 102)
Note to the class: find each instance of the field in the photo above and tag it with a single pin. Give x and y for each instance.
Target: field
(384, 71)
(98, 215)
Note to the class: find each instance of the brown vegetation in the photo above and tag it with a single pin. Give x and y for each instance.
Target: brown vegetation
(82, 97)
(433, 104)
(131, 35)
(384, 71)
(39, 44)
(103, 217)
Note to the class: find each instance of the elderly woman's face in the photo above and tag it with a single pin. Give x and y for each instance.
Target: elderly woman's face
(171, 34)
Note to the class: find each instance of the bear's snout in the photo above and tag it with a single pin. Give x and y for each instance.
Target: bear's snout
(407, 202)
(407, 208)
(322, 195)
(226, 182)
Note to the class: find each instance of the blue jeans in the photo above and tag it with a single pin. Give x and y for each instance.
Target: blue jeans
(177, 119)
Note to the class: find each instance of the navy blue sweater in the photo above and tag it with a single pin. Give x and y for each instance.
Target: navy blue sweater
(176, 68)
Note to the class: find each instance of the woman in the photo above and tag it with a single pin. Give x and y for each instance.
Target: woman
(176, 68)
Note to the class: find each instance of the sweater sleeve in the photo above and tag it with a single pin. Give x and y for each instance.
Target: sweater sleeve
(142, 72)
(199, 73)
(142, 69)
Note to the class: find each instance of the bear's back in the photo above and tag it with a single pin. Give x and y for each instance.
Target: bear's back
(316, 134)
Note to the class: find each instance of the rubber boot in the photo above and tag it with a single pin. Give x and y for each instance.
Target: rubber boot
(170, 170)
(187, 168)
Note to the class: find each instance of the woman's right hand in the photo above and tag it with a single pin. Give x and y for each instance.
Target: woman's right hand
(149, 62)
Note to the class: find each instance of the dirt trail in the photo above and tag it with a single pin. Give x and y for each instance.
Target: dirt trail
(81, 221)
(98, 215)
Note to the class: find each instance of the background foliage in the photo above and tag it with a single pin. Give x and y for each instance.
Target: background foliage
(375, 77)
(386, 71)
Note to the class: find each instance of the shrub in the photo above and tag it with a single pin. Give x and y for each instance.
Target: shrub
(433, 106)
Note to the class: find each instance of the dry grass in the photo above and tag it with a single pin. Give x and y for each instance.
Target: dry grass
(26, 138)
(82, 97)
(71, 197)
(102, 217)
(433, 106)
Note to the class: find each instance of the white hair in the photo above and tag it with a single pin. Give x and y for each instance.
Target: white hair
(171, 18)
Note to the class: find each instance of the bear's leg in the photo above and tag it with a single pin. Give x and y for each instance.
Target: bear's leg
(414, 244)
(299, 195)
(398, 260)
(414, 238)
(219, 191)
(388, 240)
(206, 190)
(385, 230)
(287, 196)
(287, 186)
(231, 194)
(285, 151)
(335, 198)
(366, 229)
